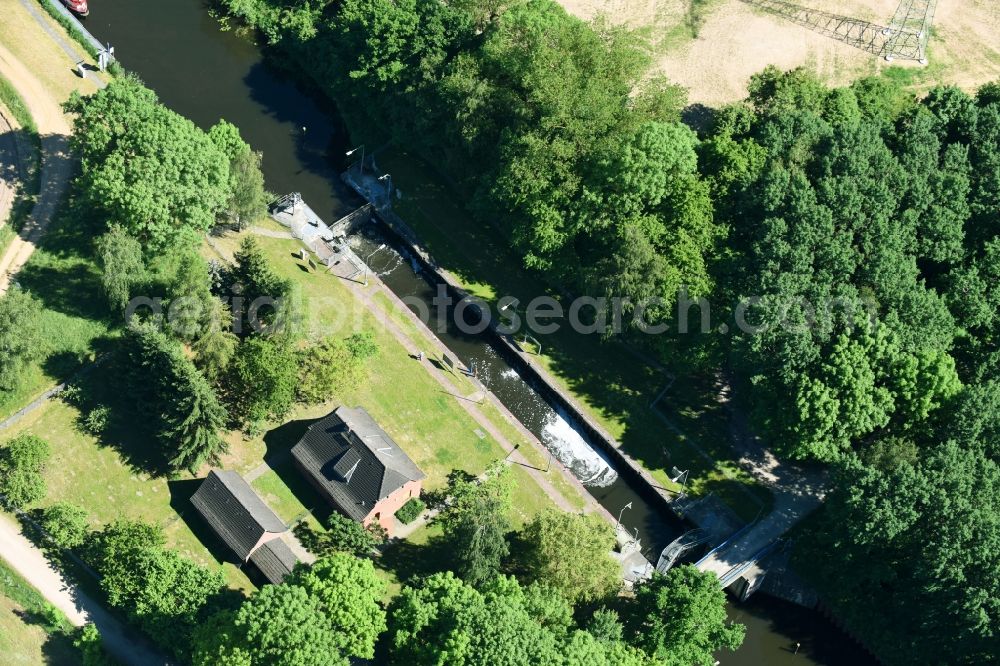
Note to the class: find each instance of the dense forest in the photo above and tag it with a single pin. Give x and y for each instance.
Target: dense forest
(860, 224)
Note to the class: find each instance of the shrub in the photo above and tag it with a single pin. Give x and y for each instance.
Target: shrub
(72, 395)
(333, 364)
(343, 535)
(87, 639)
(66, 524)
(21, 464)
(411, 510)
(96, 420)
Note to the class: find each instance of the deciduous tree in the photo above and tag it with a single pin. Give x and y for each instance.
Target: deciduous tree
(332, 363)
(680, 618)
(342, 535)
(22, 461)
(444, 620)
(148, 168)
(21, 341)
(261, 379)
(571, 553)
(476, 522)
(124, 268)
(66, 523)
(324, 614)
(158, 589)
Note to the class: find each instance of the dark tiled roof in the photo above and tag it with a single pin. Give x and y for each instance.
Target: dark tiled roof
(354, 461)
(235, 511)
(275, 560)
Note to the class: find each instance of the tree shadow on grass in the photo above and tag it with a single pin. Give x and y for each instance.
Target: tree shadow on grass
(63, 273)
(410, 562)
(129, 432)
(279, 443)
(64, 362)
(58, 646)
(58, 649)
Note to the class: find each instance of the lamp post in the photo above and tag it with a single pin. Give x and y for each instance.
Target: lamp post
(370, 255)
(617, 524)
(680, 477)
(387, 179)
(350, 152)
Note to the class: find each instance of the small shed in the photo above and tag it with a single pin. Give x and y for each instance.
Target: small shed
(241, 519)
(274, 559)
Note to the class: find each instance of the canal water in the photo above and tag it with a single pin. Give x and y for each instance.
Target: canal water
(177, 48)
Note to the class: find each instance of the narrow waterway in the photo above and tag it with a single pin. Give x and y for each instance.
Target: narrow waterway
(655, 528)
(177, 48)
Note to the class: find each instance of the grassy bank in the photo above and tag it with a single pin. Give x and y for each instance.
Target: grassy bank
(425, 420)
(31, 630)
(10, 98)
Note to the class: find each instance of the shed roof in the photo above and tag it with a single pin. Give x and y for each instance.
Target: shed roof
(235, 511)
(274, 559)
(354, 461)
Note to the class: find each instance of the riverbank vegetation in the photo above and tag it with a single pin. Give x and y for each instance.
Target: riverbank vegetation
(859, 225)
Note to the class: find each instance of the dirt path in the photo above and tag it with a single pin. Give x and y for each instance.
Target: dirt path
(57, 165)
(25, 558)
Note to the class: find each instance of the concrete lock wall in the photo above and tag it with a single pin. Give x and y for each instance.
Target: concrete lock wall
(58, 7)
(643, 481)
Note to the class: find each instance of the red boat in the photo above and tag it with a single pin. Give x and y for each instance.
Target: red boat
(78, 7)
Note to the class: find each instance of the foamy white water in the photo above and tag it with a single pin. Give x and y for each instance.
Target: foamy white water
(587, 463)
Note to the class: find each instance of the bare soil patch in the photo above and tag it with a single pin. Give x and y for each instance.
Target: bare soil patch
(712, 47)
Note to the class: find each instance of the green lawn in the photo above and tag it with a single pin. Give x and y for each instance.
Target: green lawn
(611, 382)
(423, 418)
(31, 631)
(98, 477)
(464, 386)
(63, 274)
(275, 488)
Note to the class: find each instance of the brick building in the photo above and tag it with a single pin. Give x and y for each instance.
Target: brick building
(357, 467)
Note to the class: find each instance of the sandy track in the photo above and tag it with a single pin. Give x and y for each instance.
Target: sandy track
(31, 564)
(57, 167)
